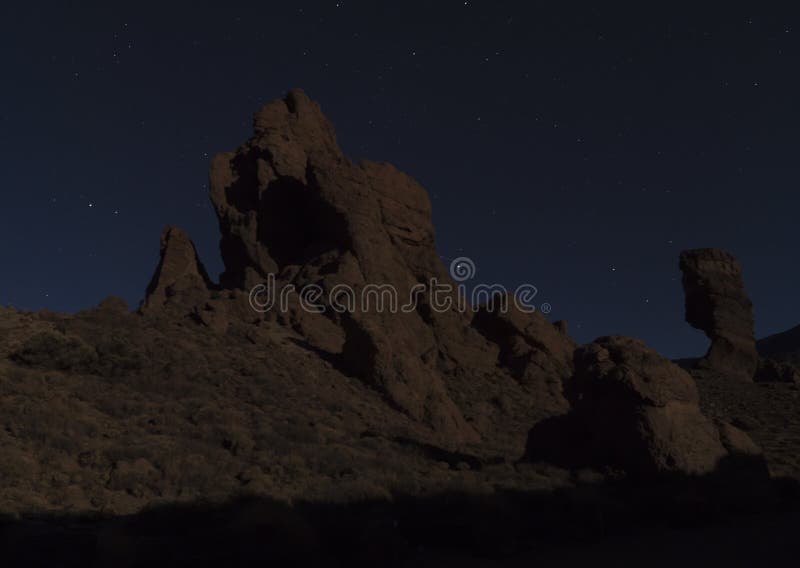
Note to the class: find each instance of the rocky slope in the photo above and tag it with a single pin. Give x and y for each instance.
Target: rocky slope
(199, 395)
(207, 393)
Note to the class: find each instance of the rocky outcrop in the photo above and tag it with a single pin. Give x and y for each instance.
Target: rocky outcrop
(292, 207)
(636, 411)
(534, 351)
(206, 393)
(717, 304)
(180, 281)
(297, 215)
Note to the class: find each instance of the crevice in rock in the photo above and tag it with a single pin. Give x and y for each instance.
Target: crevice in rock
(295, 224)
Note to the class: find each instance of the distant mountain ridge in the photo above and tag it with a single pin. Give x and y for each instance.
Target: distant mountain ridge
(783, 346)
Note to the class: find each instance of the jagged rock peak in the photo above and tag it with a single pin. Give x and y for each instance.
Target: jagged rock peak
(180, 280)
(289, 195)
(297, 119)
(717, 304)
(291, 206)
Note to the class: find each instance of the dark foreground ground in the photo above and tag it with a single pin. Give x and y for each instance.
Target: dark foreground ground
(687, 522)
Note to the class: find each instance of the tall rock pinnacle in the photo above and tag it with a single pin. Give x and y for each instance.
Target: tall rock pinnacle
(716, 303)
(180, 280)
(291, 204)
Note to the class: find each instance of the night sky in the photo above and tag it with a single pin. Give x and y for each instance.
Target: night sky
(578, 150)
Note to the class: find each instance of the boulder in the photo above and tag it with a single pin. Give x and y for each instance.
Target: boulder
(635, 411)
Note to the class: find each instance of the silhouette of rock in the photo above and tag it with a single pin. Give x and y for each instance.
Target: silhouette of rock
(290, 204)
(636, 411)
(717, 304)
(180, 281)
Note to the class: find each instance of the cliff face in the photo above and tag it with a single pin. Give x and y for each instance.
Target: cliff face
(291, 205)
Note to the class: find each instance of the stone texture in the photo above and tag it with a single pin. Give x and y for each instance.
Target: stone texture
(717, 304)
(199, 397)
(180, 281)
(533, 350)
(290, 204)
(636, 411)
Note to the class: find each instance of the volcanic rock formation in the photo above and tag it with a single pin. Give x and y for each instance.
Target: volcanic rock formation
(180, 280)
(717, 304)
(534, 351)
(638, 412)
(290, 204)
(207, 392)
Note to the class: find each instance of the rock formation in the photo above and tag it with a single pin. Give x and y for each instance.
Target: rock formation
(180, 281)
(717, 304)
(536, 352)
(636, 411)
(203, 395)
(290, 204)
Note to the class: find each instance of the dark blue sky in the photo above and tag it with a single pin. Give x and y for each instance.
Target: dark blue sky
(579, 150)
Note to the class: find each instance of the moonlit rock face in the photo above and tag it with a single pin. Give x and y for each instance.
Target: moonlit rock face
(292, 206)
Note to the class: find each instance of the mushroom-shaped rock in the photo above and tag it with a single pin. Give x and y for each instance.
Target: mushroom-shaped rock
(717, 304)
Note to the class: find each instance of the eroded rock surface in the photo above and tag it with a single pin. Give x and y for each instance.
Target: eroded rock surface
(180, 281)
(290, 204)
(717, 304)
(203, 395)
(534, 351)
(637, 411)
